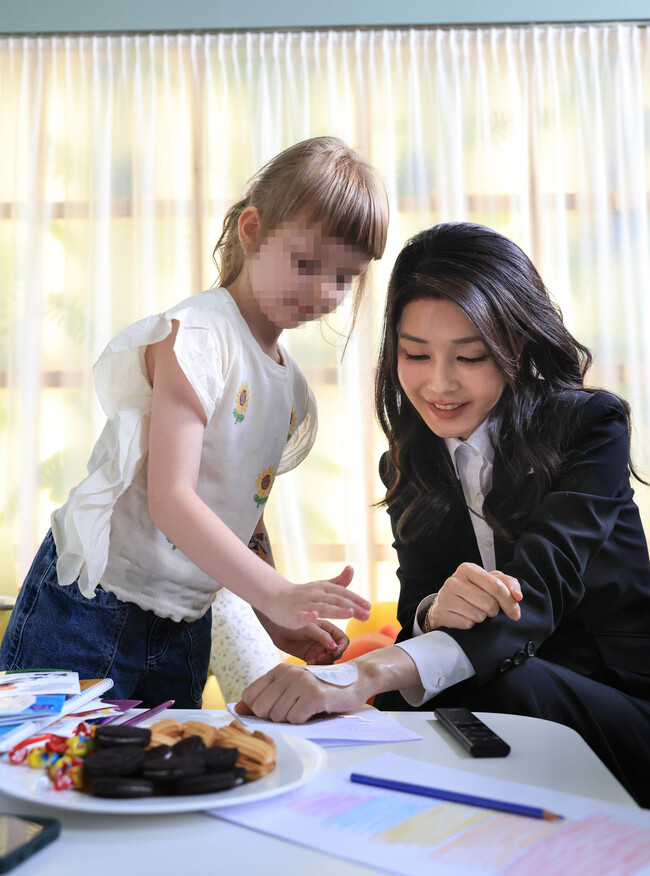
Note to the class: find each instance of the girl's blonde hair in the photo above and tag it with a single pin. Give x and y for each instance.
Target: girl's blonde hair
(321, 180)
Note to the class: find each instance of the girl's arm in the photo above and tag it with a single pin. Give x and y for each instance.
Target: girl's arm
(320, 642)
(175, 445)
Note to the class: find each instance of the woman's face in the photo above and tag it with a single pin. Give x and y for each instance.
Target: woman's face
(445, 369)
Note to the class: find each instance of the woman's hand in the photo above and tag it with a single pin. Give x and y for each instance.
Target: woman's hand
(294, 694)
(296, 605)
(471, 595)
(290, 693)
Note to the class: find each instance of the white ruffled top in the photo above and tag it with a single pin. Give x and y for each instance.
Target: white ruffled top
(260, 421)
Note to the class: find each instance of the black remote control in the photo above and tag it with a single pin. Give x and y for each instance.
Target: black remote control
(475, 736)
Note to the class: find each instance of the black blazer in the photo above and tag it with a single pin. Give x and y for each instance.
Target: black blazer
(581, 559)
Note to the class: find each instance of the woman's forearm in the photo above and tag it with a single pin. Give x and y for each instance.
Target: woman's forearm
(294, 694)
(385, 669)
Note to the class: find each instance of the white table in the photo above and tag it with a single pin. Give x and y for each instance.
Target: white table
(194, 844)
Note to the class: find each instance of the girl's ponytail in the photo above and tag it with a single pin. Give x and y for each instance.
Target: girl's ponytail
(228, 254)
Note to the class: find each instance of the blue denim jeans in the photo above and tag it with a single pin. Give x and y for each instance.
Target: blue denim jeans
(149, 658)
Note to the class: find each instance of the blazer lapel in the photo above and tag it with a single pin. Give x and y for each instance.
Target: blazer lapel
(457, 537)
(501, 487)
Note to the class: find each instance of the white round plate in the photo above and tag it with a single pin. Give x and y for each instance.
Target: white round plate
(297, 761)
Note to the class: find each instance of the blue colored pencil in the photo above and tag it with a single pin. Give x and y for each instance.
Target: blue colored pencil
(455, 797)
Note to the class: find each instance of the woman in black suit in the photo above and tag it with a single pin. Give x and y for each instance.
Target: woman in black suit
(524, 571)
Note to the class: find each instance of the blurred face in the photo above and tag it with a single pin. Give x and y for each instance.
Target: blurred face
(445, 369)
(298, 275)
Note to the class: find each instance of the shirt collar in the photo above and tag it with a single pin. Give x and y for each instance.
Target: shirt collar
(479, 441)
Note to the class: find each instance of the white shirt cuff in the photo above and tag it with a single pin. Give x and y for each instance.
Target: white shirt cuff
(440, 662)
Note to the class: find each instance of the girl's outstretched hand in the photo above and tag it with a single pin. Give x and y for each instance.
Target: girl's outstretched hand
(471, 595)
(297, 605)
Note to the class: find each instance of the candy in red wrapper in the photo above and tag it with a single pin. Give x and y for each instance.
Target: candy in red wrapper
(63, 782)
(19, 752)
(18, 755)
(56, 744)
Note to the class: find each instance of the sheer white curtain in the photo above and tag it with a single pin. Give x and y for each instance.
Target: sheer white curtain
(120, 154)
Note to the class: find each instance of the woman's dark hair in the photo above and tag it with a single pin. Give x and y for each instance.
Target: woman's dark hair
(496, 285)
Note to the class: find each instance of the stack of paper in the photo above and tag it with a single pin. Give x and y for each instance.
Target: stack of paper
(368, 726)
(33, 700)
(28, 695)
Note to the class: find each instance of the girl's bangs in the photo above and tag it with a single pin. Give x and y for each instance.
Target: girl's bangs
(352, 213)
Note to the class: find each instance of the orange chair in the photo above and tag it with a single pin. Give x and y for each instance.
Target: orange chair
(382, 619)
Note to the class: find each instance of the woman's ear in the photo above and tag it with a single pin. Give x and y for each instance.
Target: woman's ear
(249, 227)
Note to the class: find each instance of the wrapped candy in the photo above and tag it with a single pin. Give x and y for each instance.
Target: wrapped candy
(79, 746)
(56, 744)
(66, 773)
(19, 752)
(70, 779)
(61, 765)
(40, 757)
(60, 756)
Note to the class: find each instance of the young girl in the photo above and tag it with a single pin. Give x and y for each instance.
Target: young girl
(204, 409)
(524, 571)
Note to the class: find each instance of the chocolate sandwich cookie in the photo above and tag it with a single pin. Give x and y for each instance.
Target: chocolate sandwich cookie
(209, 783)
(117, 734)
(121, 786)
(122, 760)
(219, 760)
(160, 752)
(188, 745)
(173, 768)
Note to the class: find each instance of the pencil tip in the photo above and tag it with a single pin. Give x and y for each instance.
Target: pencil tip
(551, 816)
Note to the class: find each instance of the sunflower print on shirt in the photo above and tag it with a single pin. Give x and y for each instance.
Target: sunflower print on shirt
(263, 486)
(242, 398)
(292, 422)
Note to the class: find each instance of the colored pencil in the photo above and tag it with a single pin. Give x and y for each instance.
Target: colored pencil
(456, 797)
(141, 717)
(148, 714)
(120, 704)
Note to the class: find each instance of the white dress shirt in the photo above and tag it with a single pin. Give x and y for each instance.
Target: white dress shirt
(439, 659)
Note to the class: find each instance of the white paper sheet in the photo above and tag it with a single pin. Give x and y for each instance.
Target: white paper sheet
(368, 726)
(407, 834)
(45, 681)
